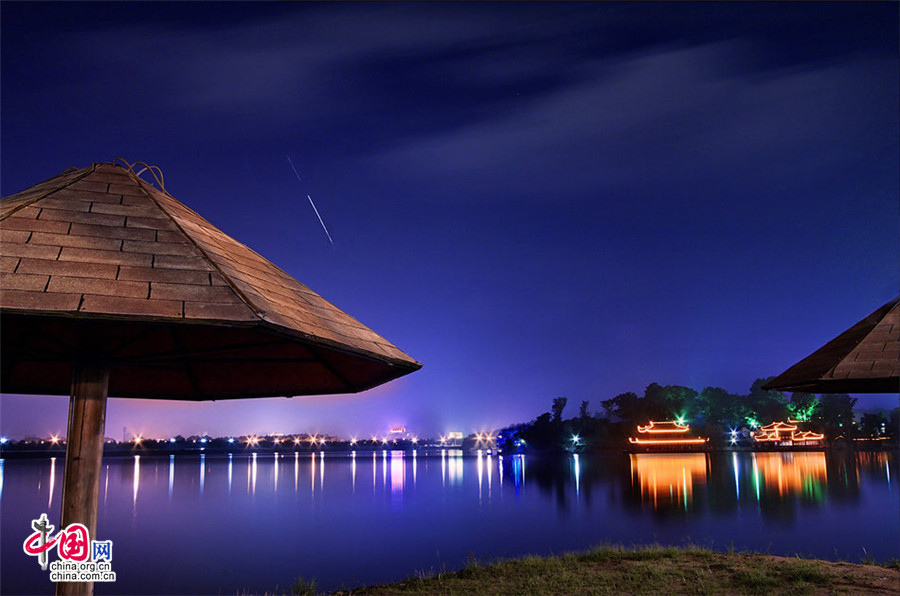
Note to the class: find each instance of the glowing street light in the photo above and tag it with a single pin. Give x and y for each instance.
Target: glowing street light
(54, 439)
(137, 440)
(576, 439)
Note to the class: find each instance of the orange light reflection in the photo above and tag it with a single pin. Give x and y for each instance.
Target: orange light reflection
(668, 479)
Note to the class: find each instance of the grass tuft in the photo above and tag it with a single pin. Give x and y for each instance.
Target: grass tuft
(303, 587)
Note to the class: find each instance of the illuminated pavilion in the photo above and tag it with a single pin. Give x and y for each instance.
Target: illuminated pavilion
(669, 435)
(787, 434)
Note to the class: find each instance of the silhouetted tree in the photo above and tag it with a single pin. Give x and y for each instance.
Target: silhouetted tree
(893, 426)
(655, 405)
(540, 435)
(625, 406)
(722, 408)
(766, 406)
(870, 424)
(680, 402)
(836, 413)
(559, 404)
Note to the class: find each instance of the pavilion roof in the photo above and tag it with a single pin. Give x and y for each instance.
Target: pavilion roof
(863, 359)
(102, 244)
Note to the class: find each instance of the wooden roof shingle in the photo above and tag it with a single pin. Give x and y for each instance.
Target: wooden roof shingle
(863, 359)
(101, 245)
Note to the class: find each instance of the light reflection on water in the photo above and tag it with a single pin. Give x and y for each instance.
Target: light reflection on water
(576, 472)
(451, 466)
(398, 472)
(668, 479)
(810, 502)
(136, 481)
(203, 472)
(789, 474)
(480, 468)
(736, 467)
(52, 481)
(275, 468)
(662, 480)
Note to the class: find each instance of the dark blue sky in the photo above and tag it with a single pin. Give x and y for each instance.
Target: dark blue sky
(532, 200)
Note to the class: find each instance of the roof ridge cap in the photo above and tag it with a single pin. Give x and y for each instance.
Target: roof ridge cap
(88, 170)
(258, 313)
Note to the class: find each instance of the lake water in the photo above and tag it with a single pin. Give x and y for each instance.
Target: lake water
(191, 524)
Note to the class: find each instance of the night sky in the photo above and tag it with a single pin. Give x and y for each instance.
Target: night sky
(532, 200)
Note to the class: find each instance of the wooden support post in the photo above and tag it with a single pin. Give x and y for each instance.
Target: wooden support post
(84, 454)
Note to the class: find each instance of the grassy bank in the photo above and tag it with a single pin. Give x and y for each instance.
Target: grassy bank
(647, 570)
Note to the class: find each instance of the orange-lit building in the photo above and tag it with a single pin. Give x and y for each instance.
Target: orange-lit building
(668, 436)
(787, 434)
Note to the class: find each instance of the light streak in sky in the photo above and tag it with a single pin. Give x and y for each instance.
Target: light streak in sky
(297, 174)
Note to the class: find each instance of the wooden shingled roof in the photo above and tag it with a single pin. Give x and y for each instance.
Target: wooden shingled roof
(99, 257)
(863, 359)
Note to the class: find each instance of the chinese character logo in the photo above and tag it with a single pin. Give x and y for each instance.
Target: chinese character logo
(71, 544)
(101, 550)
(36, 544)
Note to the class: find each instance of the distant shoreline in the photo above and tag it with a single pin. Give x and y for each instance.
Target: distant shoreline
(425, 451)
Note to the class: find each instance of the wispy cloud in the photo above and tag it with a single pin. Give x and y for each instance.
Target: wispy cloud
(658, 117)
(466, 93)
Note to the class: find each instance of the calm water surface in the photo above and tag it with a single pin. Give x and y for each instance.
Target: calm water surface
(192, 524)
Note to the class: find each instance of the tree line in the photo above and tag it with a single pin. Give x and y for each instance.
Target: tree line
(712, 412)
